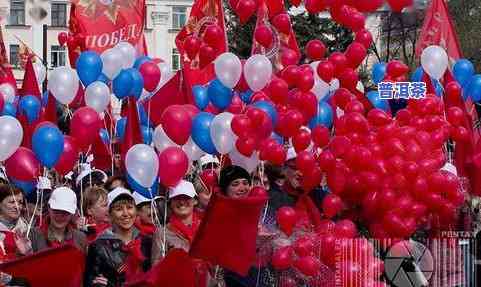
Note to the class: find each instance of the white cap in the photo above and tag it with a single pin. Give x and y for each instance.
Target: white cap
(183, 188)
(116, 192)
(208, 159)
(139, 198)
(86, 170)
(291, 153)
(63, 198)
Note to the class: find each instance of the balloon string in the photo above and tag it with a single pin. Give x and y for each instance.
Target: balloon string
(153, 209)
(81, 198)
(164, 227)
(30, 222)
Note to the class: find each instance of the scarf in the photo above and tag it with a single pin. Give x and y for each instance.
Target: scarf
(51, 240)
(135, 258)
(145, 229)
(187, 232)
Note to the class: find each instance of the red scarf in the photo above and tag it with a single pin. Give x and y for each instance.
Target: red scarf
(134, 260)
(10, 247)
(144, 228)
(187, 232)
(98, 229)
(55, 243)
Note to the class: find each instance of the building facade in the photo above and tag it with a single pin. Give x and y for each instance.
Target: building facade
(22, 23)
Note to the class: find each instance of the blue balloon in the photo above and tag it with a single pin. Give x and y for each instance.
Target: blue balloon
(417, 76)
(30, 107)
(144, 119)
(104, 135)
(9, 109)
(246, 96)
(376, 102)
(120, 128)
(201, 132)
(269, 109)
(47, 144)
(89, 67)
(137, 83)
(463, 71)
(378, 72)
(140, 60)
(45, 98)
(28, 187)
(147, 133)
(154, 190)
(324, 116)
(103, 78)
(201, 98)
(219, 95)
(438, 87)
(474, 88)
(122, 84)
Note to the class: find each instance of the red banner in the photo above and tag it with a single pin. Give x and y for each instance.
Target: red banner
(100, 25)
(6, 75)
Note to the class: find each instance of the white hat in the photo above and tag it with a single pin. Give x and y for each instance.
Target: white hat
(183, 188)
(208, 159)
(63, 198)
(86, 170)
(116, 192)
(291, 154)
(139, 198)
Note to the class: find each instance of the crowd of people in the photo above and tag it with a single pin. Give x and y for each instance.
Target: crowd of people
(123, 234)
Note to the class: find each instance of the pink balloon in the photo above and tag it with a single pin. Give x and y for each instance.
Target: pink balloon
(151, 74)
(177, 124)
(173, 165)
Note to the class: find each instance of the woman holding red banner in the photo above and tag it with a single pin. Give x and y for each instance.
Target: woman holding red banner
(180, 231)
(120, 254)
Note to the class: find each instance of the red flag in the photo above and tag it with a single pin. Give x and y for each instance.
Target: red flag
(438, 29)
(102, 154)
(282, 42)
(228, 232)
(30, 83)
(98, 27)
(6, 75)
(132, 135)
(58, 267)
(50, 112)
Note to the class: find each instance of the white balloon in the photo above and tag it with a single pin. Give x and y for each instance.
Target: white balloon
(112, 62)
(248, 163)
(192, 151)
(40, 72)
(221, 133)
(63, 83)
(257, 72)
(142, 164)
(320, 89)
(11, 135)
(434, 61)
(161, 139)
(97, 96)
(165, 74)
(334, 85)
(228, 69)
(128, 54)
(8, 92)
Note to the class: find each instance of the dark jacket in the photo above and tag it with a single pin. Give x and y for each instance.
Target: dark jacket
(106, 257)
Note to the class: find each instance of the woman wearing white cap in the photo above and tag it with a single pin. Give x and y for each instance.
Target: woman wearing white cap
(59, 228)
(120, 254)
(181, 229)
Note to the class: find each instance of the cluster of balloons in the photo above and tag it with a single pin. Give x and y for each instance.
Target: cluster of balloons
(205, 47)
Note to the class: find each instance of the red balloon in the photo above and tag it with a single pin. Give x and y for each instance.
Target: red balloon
(85, 126)
(339, 61)
(354, 106)
(278, 90)
(241, 125)
(282, 258)
(345, 229)
(305, 161)
(177, 124)
(258, 191)
(332, 205)
(263, 35)
(327, 161)
(315, 50)
(304, 246)
(305, 81)
(209, 178)
(23, 165)
(325, 70)
(286, 219)
(212, 109)
(173, 165)
(364, 37)
(192, 45)
(320, 136)
(191, 110)
(213, 35)
(342, 97)
(259, 96)
(62, 38)
(453, 92)
(308, 265)
(328, 249)
(460, 134)
(368, 5)
(290, 75)
(69, 156)
(236, 106)
(151, 74)
(313, 6)
(455, 116)
(289, 57)
(396, 68)
(307, 105)
(356, 21)
(399, 5)
(311, 179)
(207, 54)
(339, 145)
(301, 140)
(355, 54)
(348, 79)
(245, 146)
(289, 123)
(245, 9)
(282, 23)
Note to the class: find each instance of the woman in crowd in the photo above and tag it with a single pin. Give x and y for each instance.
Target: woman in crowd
(59, 228)
(120, 254)
(181, 230)
(96, 212)
(144, 222)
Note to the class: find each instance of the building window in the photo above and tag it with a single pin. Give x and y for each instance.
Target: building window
(57, 54)
(59, 14)
(178, 17)
(175, 60)
(17, 12)
(14, 55)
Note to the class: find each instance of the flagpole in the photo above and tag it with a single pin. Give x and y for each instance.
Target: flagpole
(44, 84)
